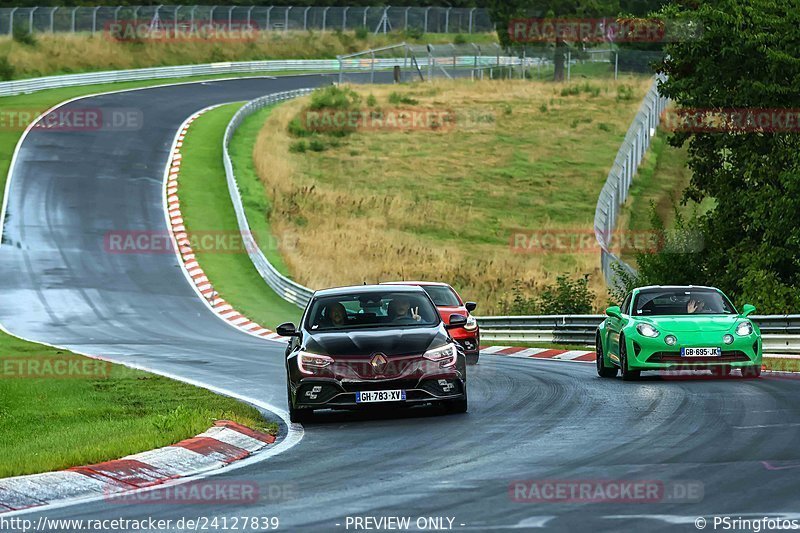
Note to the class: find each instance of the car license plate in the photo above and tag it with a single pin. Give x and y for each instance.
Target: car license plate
(701, 352)
(381, 396)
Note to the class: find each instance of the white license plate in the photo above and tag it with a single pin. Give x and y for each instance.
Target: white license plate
(381, 396)
(701, 352)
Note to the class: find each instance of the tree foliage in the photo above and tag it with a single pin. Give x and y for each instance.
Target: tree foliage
(747, 56)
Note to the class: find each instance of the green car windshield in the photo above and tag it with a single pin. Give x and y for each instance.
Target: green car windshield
(672, 302)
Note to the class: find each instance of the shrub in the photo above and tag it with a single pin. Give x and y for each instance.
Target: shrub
(565, 297)
(414, 33)
(362, 33)
(6, 69)
(372, 101)
(333, 97)
(604, 127)
(23, 36)
(624, 93)
(459, 39)
(316, 145)
(298, 147)
(398, 99)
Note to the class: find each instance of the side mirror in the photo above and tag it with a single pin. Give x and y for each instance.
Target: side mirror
(288, 330)
(457, 321)
(471, 306)
(748, 310)
(614, 311)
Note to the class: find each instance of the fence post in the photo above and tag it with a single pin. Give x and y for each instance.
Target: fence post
(211, 14)
(616, 64)
(430, 62)
(53, 19)
(425, 30)
(269, 11)
(74, 9)
(405, 17)
(372, 68)
(11, 20)
(230, 16)
(447, 20)
(175, 16)
(30, 18)
(249, 15)
(569, 65)
(94, 18)
(305, 18)
(191, 17)
(344, 18)
(286, 18)
(471, 14)
(325, 17)
(366, 10)
(341, 69)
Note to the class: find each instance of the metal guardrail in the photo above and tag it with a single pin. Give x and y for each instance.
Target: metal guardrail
(781, 333)
(94, 19)
(285, 288)
(30, 85)
(618, 183)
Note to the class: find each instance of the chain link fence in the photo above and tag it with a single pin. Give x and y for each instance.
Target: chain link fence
(93, 19)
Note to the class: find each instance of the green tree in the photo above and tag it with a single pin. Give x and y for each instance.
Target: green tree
(747, 56)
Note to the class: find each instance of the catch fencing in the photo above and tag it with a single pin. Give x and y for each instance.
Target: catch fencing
(95, 19)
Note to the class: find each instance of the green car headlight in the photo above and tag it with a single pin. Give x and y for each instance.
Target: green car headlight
(744, 329)
(646, 330)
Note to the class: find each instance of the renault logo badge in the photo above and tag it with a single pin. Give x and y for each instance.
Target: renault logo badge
(378, 362)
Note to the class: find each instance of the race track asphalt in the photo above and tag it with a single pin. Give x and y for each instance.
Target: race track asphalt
(737, 440)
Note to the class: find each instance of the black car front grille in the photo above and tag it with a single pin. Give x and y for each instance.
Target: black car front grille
(396, 384)
(730, 356)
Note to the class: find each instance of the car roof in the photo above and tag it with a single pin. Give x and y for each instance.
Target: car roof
(680, 287)
(417, 283)
(365, 289)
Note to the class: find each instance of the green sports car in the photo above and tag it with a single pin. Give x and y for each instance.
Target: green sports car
(677, 328)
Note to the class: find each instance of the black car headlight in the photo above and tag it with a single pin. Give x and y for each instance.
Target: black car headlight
(309, 362)
(447, 355)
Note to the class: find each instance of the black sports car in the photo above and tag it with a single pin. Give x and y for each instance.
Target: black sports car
(373, 346)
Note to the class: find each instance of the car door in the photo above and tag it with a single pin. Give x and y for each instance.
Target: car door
(614, 327)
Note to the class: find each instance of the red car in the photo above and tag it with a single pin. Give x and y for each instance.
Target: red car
(448, 302)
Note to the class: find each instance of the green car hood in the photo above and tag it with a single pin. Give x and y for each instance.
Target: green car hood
(692, 323)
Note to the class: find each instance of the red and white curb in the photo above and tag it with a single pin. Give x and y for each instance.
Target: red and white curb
(184, 248)
(218, 447)
(577, 356)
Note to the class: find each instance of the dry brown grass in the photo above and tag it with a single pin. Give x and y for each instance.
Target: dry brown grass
(441, 205)
(64, 53)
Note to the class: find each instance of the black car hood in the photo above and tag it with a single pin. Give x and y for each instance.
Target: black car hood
(366, 342)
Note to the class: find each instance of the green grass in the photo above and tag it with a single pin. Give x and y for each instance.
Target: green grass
(255, 199)
(52, 423)
(782, 365)
(206, 206)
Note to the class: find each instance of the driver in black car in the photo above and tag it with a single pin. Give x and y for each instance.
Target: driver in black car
(400, 311)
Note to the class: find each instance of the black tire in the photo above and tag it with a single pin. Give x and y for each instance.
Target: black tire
(458, 406)
(627, 374)
(602, 370)
(472, 359)
(751, 372)
(297, 416)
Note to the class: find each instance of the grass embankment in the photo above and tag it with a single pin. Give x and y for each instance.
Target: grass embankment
(206, 207)
(56, 420)
(51, 423)
(67, 53)
(443, 204)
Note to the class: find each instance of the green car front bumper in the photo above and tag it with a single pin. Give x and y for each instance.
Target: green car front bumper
(647, 353)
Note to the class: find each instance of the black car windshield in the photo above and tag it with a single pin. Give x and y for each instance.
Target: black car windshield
(663, 302)
(372, 310)
(442, 296)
